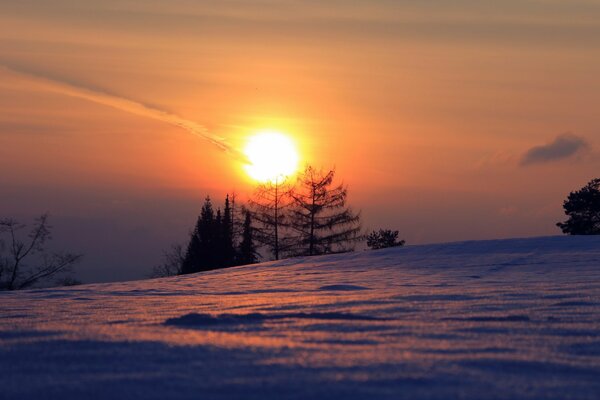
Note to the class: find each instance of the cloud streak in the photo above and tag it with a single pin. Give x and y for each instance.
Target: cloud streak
(562, 147)
(124, 104)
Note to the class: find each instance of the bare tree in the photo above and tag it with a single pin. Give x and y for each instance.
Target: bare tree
(268, 208)
(172, 262)
(26, 262)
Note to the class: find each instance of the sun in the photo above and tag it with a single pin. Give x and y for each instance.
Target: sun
(271, 156)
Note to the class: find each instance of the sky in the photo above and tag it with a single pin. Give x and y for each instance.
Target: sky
(448, 120)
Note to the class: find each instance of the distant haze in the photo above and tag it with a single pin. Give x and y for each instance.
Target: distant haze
(448, 120)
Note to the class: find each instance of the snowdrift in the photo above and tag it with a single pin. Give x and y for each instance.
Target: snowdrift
(503, 319)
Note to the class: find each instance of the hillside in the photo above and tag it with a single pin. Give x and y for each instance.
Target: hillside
(501, 319)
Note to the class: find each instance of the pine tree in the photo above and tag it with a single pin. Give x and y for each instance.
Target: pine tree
(319, 215)
(218, 243)
(226, 236)
(268, 207)
(384, 238)
(200, 254)
(236, 224)
(247, 250)
(192, 258)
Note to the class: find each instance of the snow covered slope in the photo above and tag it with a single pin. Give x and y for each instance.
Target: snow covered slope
(508, 319)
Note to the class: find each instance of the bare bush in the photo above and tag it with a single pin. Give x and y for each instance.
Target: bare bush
(25, 263)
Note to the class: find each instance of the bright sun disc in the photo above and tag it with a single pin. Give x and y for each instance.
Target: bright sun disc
(271, 156)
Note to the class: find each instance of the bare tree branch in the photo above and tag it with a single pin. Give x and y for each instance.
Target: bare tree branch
(14, 272)
(172, 264)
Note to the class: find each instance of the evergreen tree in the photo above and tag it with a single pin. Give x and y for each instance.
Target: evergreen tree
(247, 250)
(226, 237)
(218, 242)
(383, 238)
(236, 223)
(319, 215)
(583, 209)
(268, 207)
(200, 254)
(192, 257)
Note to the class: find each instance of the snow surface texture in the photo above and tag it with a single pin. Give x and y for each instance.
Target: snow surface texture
(507, 319)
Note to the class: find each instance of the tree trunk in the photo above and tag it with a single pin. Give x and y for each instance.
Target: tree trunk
(311, 246)
(276, 219)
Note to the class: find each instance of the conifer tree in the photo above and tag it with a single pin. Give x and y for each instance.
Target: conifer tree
(583, 210)
(200, 254)
(236, 223)
(226, 236)
(192, 258)
(217, 239)
(247, 250)
(213, 241)
(319, 215)
(384, 238)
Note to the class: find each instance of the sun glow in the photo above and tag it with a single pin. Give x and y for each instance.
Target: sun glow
(271, 156)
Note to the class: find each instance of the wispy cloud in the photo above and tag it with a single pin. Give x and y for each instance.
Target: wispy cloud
(123, 104)
(562, 147)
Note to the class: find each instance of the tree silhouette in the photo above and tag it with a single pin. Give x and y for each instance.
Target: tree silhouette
(217, 240)
(383, 238)
(226, 236)
(319, 215)
(25, 263)
(247, 250)
(583, 210)
(268, 208)
(200, 254)
(211, 245)
(172, 264)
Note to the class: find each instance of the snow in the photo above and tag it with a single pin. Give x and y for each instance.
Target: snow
(503, 319)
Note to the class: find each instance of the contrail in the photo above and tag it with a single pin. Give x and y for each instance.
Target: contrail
(127, 105)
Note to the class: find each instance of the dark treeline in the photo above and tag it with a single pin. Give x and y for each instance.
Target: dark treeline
(216, 241)
(305, 217)
(309, 216)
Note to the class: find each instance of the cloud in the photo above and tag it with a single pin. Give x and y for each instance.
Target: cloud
(563, 147)
(123, 104)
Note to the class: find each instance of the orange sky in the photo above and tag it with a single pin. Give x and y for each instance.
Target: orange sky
(425, 108)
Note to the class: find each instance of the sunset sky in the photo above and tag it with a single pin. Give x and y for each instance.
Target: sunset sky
(448, 120)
